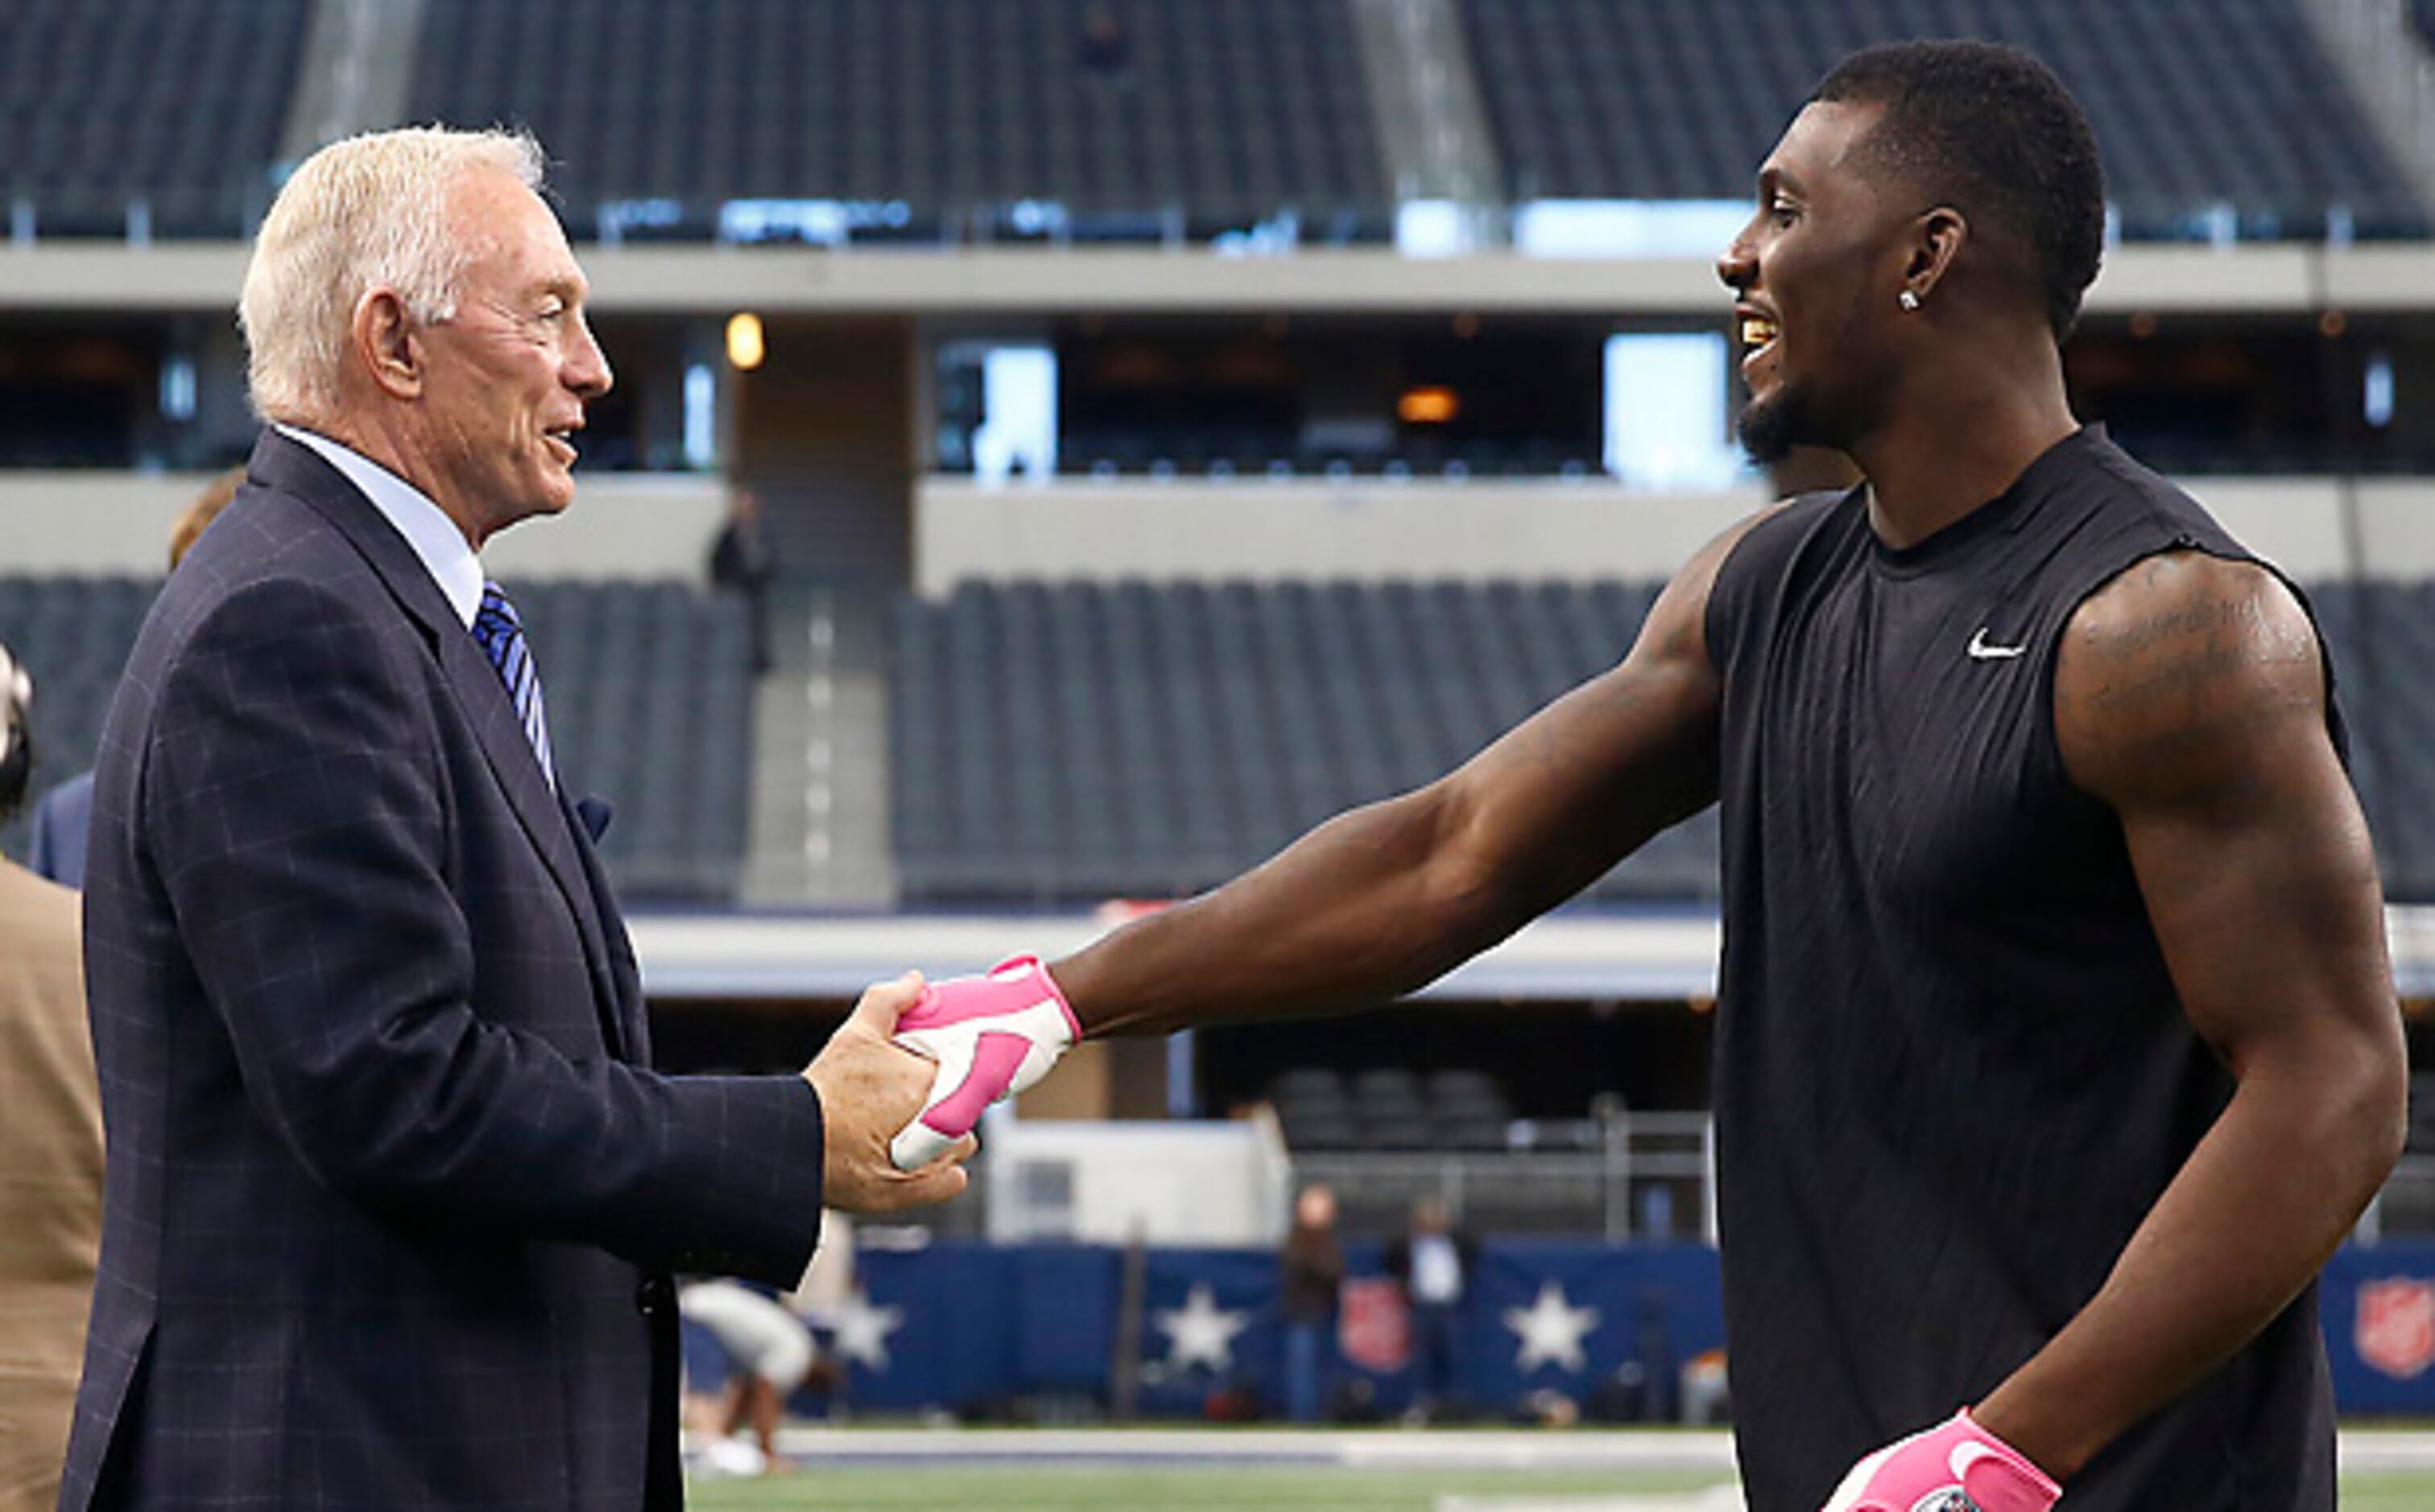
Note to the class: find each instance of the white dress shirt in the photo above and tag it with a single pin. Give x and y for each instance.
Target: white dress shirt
(435, 538)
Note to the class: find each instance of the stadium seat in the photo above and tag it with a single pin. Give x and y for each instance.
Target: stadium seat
(1681, 99)
(174, 106)
(648, 693)
(1228, 110)
(1065, 743)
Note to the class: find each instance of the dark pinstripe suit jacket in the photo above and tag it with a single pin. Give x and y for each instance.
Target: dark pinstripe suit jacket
(391, 1200)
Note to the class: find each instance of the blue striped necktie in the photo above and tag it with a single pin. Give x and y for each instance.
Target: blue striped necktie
(501, 635)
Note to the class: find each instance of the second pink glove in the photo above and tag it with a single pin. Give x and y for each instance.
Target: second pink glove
(1955, 1466)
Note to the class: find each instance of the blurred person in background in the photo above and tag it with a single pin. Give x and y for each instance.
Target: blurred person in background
(394, 1197)
(50, 1149)
(1310, 1273)
(2056, 1046)
(1104, 46)
(1431, 1261)
(741, 563)
(63, 816)
(770, 1353)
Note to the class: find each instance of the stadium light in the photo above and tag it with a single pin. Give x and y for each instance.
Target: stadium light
(745, 345)
(1432, 405)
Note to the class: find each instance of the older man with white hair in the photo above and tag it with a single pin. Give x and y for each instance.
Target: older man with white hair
(393, 1196)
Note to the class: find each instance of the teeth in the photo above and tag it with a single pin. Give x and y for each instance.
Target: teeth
(1757, 331)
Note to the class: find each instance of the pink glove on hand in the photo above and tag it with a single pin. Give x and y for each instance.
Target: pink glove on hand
(992, 1036)
(1957, 1467)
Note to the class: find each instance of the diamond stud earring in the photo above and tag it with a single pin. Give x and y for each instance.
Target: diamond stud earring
(1908, 300)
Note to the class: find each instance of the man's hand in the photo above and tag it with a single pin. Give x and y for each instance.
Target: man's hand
(992, 1036)
(1957, 1467)
(869, 1089)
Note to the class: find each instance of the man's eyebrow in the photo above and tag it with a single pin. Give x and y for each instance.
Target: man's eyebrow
(1773, 176)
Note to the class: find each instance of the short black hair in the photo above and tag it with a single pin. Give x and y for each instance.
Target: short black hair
(1990, 131)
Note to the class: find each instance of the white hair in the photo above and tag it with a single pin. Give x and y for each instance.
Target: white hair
(361, 214)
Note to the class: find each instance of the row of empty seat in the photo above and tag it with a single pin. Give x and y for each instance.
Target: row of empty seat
(1059, 743)
(1075, 740)
(1227, 111)
(649, 693)
(177, 104)
(650, 707)
(2195, 102)
(1391, 1108)
(1056, 744)
(1207, 114)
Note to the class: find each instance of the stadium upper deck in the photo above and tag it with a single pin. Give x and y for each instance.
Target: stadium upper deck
(1137, 119)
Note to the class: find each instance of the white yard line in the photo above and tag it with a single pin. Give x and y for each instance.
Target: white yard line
(1388, 1448)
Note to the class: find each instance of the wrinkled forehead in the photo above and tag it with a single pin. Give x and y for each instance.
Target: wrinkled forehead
(509, 232)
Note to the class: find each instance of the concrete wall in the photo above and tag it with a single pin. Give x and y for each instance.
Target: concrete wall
(1364, 528)
(1371, 529)
(660, 525)
(644, 525)
(204, 276)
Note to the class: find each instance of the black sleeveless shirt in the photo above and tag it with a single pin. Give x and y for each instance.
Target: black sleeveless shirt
(1951, 1073)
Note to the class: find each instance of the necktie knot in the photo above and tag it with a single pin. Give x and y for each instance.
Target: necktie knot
(501, 635)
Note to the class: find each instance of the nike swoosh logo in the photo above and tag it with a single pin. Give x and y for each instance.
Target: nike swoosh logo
(1980, 651)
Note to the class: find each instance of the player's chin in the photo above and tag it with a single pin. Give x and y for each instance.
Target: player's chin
(1767, 427)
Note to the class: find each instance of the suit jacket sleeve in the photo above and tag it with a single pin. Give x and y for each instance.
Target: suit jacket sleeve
(300, 825)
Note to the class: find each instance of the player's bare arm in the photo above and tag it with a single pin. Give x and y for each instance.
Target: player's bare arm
(2189, 696)
(1385, 898)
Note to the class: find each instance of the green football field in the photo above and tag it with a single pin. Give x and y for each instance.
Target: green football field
(1289, 1489)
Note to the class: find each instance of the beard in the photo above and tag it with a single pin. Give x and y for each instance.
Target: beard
(1771, 427)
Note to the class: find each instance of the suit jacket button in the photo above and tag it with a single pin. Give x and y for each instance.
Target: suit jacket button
(652, 1296)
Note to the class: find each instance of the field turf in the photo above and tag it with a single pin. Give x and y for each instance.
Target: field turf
(1198, 1488)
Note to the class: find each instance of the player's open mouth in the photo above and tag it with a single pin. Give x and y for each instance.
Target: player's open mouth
(563, 438)
(1758, 332)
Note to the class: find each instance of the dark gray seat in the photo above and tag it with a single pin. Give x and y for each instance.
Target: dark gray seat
(1228, 111)
(2195, 101)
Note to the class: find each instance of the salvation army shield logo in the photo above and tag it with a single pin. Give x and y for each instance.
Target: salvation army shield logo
(2395, 1330)
(1373, 1328)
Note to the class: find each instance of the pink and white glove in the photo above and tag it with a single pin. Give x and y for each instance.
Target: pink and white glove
(1957, 1467)
(992, 1036)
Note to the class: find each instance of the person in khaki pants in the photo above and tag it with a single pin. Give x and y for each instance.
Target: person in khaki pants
(50, 1150)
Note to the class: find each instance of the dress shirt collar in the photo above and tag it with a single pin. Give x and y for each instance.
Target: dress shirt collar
(434, 537)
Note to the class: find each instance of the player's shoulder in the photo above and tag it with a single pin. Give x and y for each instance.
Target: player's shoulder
(1798, 515)
(2176, 569)
(1775, 531)
(2184, 656)
(2181, 601)
(2131, 503)
(1747, 564)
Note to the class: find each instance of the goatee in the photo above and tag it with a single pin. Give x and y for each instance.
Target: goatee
(1769, 428)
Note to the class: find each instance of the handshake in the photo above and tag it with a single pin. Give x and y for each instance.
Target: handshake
(988, 1037)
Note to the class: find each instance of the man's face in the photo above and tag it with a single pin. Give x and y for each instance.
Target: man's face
(507, 377)
(1816, 273)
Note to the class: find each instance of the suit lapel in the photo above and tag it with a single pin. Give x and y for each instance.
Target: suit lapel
(626, 983)
(284, 464)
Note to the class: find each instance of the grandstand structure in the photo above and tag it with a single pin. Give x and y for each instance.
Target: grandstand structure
(1334, 478)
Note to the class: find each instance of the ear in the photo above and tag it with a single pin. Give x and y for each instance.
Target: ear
(1936, 238)
(384, 344)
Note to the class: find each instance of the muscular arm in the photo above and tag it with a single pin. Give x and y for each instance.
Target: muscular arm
(1386, 898)
(2189, 696)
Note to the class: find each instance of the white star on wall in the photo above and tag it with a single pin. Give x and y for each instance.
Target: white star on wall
(1551, 1330)
(862, 1330)
(1201, 1331)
